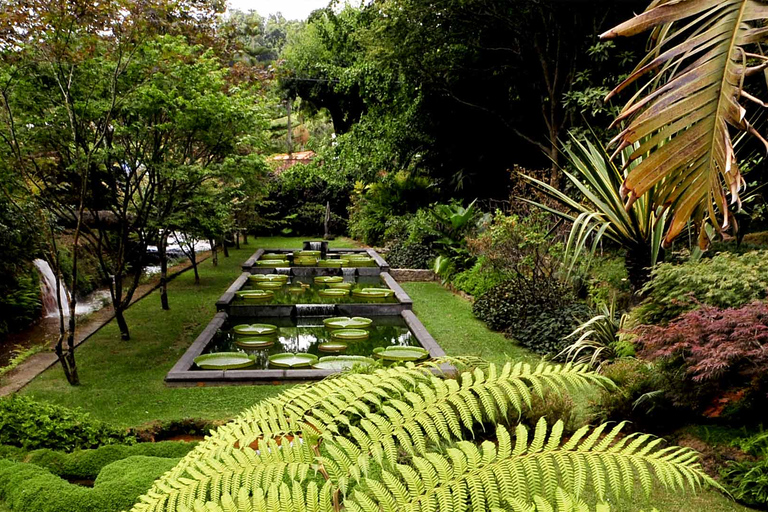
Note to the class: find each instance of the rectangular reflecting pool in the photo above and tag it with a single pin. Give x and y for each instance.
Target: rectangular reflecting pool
(285, 349)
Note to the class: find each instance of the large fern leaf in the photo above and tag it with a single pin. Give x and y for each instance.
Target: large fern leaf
(679, 121)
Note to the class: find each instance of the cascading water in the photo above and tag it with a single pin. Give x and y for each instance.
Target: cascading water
(349, 273)
(48, 288)
(303, 310)
(283, 270)
(315, 246)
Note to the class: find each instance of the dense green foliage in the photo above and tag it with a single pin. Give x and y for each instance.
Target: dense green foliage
(30, 424)
(725, 280)
(30, 488)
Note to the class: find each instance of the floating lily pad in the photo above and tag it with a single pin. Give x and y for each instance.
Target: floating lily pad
(289, 360)
(333, 292)
(268, 278)
(269, 285)
(296, 290)
(299, 254)
(254, 342)
(331, 263)
(328, 279)
(254, 329)
(370, 294)
(345, 322)
(362, 262)
(272, 263)
(305, 261)
(255, 295)
(386, 291)
(224, 361)
(340, 286)
(332, 346)
(400, 353)
(350, 334)
(273, 256)
(341, 362)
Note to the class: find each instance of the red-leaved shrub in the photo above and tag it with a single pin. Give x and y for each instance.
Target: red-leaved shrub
(716, 359)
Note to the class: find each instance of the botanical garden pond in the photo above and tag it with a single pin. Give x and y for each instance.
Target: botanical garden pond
(282, 289)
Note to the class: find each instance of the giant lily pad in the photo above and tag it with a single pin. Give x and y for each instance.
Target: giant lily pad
(395, 353)
(255, 342)
(224, 361)
(261, 278)
(272, 263)
(362, 262)
(332, 346)
(350, 334)
(305, 261)
(328, 279)
(273, 256)
(345, 322)
(331, 263)
(369, 293)
(342, 286)
(251, 296)
(254, 329)
(296, 290)
(386, 291)
(333, 292)
(300, 254)
(289, 360)
(269, 285)
(341, 362)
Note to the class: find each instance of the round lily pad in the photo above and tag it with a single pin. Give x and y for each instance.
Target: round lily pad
(305, 261)
(269, 285)
(330, 263)
(386, 291)
(268, 278)
(350, 334)
(345, 322)
(394, 353)
(341, 362)
(254, 329)
(332, 346)
(254, 342)
(289, 360)
(340, 286)
(273, 256)
(370, 294)
(328, 279)
(255, 295)
(362, 262)
(296, 290)
(224, 361)
(272, 263)
(299, 254)
(333, 292)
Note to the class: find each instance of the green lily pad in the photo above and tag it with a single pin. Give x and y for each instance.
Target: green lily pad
(299, 254)
(269, 285)
(332, 346)
(331, 263)
(262, 278)
(254, 329)
(341, 362)
(224, 361)
(272, 263)
(394, 353)
(254, 342)
(350, 334)
(345, 322)
(273, 256)
(386, 291)
(328, 279)
(297, 289)
(255, 295)
(305, 261)
(362, 262)
(333, 292)
(340, 286)
(289, 360)
(370, 294)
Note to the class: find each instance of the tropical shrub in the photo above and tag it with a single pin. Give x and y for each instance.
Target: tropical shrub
(716, 359)
(408, 241)
(401, 439)
(479, 279)
(410, 255)
(608, 282)
(747, 481)
(31, 488)
(21, 303)
(450, 225)
(638, 395)
(30, 425)
(725, 280)
(599, 339)
(544, 331)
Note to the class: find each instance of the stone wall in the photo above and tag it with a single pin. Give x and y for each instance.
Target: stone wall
(405, 275)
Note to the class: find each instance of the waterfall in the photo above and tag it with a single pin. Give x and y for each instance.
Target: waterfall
(315, 309)
(48, 288)
(314, 246)
(349, 273)
(283, 270)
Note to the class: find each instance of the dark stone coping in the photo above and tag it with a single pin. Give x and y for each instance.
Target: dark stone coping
(224, 303)
(183, 375)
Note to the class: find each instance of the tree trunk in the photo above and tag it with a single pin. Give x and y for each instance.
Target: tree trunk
(290, 134)
(224, 246)
(237, 239)
(245, 237)
(125, 334)
(193, 259)
(214, 252)
(327, 220)
(163, 242)
(638, 263)
(67, 357)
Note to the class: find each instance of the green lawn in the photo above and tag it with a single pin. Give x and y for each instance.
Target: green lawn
(122, 382)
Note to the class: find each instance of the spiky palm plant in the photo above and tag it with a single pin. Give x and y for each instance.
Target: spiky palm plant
(401, 439)
(679, 121)
(597, 339)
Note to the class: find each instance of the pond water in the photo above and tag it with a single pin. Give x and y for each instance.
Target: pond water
(304, 290)
(305, 335)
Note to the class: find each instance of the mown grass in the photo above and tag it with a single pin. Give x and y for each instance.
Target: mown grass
(122, 381)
